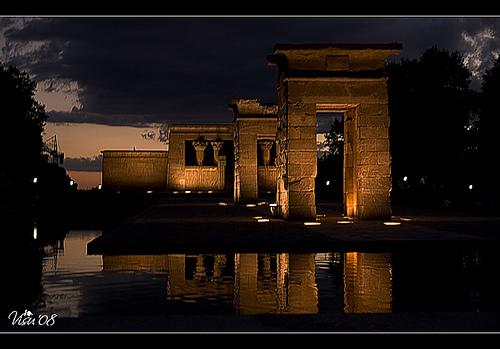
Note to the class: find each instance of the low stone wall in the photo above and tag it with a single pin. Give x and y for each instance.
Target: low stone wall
(204, 178)
(267, 178)
(134, 170)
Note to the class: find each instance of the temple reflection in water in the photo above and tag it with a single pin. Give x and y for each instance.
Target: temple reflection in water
(267, 283)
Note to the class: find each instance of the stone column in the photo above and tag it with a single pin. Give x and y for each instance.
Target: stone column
(217, 145)
(282, 282)
(301, 161)
(265, 148)
(246, 189)
(372, 159)
(367, 282)
(200, 146)
(176, 275)
(221, 164)
(302, 289)
(349, 184)
(246, 283)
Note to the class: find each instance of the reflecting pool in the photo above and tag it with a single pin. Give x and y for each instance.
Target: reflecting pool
(75, 284)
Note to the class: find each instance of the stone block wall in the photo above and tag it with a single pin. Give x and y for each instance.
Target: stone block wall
(204, 178)
(134, 170)
(281, 149)
(347, 78)
(182, 177)
(253, 123)
(367, 170)
(266, 178)
(246, 160)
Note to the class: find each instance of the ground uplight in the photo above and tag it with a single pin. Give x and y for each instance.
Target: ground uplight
(392, 223)
(312, 223)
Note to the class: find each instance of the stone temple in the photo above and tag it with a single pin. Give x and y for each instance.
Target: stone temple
(272, 148)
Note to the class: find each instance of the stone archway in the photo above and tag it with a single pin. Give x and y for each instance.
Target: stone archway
(345, 77)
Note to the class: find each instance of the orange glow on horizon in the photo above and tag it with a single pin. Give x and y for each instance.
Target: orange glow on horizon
(88, 140)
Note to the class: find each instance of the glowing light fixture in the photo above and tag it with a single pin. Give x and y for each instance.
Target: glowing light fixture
(321, 215)
(406, 219)
(405, 178)
(312, 223)
(210, 191)
(392, 223)
(175, 192)
(273, 205)
(263, 220)
(471, 186)
(35, 180)
(262, 203)
(71, 182)
(187, 191)
(257, 217)
(35, 233)
(250, 205)
(222, 203)
(327, 182)
(99, 186)
(345, 222)
(149, 192)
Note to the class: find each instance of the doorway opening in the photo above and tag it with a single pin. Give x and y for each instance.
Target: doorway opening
(330, 152)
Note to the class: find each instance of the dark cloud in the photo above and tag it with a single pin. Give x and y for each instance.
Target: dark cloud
(100, 118)
(136, 70)
(84, 164)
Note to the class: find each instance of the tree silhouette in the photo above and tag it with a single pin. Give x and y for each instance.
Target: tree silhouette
(430, 104)
(23, 121)
(489, 126)
(329, 180)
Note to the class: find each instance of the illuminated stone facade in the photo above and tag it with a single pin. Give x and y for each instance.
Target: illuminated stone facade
(211, 144)
(134, 170)
(341, 78)
(272, 148)
(254, 132)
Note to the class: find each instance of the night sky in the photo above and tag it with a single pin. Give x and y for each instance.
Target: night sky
(142, 72)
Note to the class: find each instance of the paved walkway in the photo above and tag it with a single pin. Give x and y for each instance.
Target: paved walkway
(210, 225)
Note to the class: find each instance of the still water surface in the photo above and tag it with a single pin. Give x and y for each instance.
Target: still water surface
(76, 284)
